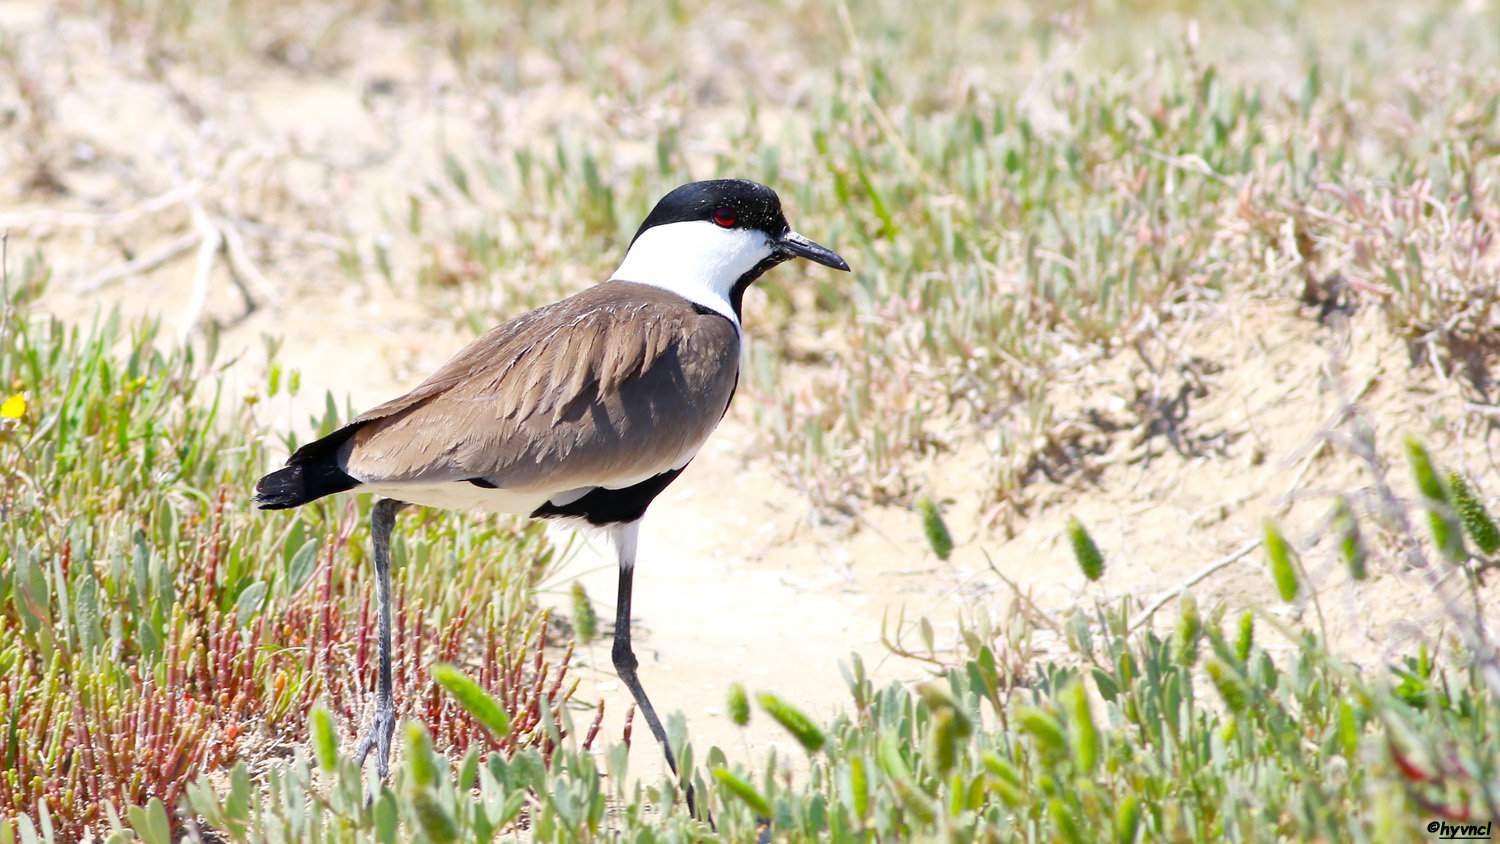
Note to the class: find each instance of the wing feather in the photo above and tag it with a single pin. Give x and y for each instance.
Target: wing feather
(607, 388)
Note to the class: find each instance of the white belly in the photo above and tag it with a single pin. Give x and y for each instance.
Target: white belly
(460, 496)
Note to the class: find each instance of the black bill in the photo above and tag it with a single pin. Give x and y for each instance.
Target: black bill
(795, 245)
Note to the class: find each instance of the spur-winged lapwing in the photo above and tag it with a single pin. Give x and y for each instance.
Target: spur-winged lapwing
(585, 409)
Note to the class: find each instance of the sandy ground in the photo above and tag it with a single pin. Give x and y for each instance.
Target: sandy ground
(738, 580)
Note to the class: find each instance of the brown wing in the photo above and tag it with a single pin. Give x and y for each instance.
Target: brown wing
(610, 386)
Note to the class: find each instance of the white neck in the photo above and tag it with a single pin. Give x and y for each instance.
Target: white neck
(696, 260)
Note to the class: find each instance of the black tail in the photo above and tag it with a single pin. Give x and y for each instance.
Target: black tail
(297, 485)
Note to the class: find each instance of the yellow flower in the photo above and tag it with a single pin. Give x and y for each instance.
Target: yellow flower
(13, 407)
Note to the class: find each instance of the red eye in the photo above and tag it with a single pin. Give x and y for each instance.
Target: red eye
(725, 217)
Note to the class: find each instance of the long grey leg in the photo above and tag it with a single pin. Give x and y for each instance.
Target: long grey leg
(383, 726)
(624, 536)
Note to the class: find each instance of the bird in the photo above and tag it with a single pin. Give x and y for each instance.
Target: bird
(583, 410)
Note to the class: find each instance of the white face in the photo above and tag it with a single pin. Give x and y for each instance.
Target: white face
(696, 260)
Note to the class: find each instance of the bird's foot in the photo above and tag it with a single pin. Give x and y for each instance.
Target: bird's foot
(378, 738)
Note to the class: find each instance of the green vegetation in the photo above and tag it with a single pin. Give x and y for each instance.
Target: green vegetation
(939, 539)
(1085, 552)
(1296, 746)
(151, 631)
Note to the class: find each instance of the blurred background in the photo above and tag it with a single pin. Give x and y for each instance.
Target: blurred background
(1169, 268)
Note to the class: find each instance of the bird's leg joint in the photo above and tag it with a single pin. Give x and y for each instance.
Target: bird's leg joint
(624, 657)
